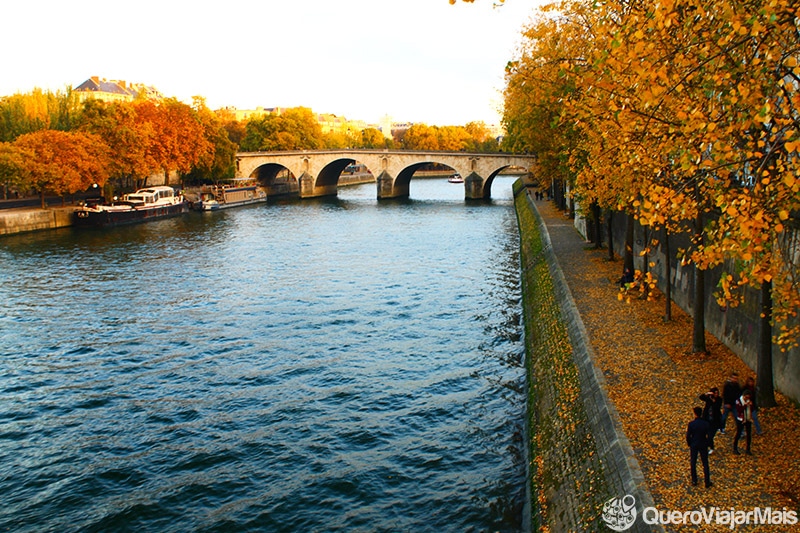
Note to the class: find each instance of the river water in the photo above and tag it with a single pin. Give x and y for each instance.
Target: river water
(319, 365)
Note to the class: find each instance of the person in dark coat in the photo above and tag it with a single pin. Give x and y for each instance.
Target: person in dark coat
(731, 392)
(697, 436)
(712, 413)
(627, 278)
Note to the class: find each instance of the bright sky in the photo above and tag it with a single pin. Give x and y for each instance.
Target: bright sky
(414, 60)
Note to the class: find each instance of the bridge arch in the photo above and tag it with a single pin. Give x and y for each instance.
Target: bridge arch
(329, 175)
(401, 186)
(487, 184)
(275, 178)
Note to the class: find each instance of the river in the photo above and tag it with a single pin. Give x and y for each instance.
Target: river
(341, 364)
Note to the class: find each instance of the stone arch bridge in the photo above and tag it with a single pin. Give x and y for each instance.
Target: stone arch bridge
(315, 173)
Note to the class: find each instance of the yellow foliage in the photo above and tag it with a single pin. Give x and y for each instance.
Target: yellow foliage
(666, 111)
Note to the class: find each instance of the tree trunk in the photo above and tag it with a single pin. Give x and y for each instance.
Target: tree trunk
(699, 323)
(668, 273)
(598, 229)
(560, 196)
(609, 228)
(646, 256)
(41, 197)
(627, 260)
(765, 388)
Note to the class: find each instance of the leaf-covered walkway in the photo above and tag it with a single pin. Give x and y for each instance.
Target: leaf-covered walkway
(654, 382)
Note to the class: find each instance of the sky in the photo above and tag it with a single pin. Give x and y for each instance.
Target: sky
(413, 60)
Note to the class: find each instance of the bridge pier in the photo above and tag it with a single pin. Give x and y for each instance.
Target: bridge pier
(391, 187)
(474, 187)
(385, 185)
(308, 189)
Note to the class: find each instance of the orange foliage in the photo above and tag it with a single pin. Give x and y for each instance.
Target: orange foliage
(64, 162)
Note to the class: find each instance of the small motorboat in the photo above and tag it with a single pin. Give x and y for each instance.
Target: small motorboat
(225, 196)
(456, 178)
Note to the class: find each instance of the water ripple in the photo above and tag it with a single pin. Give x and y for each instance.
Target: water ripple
(332, 365)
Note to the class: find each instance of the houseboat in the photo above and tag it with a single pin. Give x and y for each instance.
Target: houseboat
(144, 204)
(216, 197)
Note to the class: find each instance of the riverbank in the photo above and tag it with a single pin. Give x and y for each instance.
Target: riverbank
(33, 218)
(652, 381)
(579, 457)
(25, 219)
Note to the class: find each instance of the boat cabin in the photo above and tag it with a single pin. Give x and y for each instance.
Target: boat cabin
(152, 196)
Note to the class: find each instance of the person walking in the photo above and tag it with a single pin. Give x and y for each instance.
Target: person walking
(731, 392)
(744, 421)
(712, 413)
(698, 433)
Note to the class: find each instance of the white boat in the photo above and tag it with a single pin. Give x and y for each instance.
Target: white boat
(216, 197)
(144, 204)
(456, 178)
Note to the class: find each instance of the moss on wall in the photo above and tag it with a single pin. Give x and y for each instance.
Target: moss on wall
(568, 485)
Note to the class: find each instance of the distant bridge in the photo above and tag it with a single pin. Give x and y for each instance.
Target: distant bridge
(315, 173)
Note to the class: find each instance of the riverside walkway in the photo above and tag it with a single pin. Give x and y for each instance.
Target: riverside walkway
(653, 381)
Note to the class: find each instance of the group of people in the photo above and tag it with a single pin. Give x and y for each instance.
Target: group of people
(539, 195)
(736, 400)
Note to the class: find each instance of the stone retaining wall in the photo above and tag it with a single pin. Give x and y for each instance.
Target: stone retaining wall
(580, 458)
(22, 220)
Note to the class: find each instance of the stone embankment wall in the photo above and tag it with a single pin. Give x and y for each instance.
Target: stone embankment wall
(22, 220)
(737, 327)
(579, 457)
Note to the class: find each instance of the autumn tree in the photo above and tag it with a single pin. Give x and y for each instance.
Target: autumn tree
(373, 138)
(13, 168)
(453, 138)
(536, 114)
(182, 138)
(340, 140)
(220, 163)
(480, 138)
(685, 113)
(421, 137)
(293, 129)
(713, 87)
(751, 137)
(628, 108)
(63, 162)
(128, 138)
(36, 110)
(234, 128)
(474, 137)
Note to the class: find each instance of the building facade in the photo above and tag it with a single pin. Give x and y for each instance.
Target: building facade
(115, 90)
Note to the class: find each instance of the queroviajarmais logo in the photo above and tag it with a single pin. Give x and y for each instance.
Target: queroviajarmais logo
(620, 513)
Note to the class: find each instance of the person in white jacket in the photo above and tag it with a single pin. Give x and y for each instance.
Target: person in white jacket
(744, 421)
